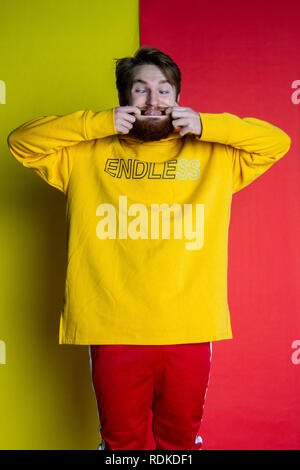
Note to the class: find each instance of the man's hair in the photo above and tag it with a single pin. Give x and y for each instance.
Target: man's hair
(145, 55)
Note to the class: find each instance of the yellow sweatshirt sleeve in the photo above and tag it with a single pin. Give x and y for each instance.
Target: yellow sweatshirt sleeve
(48, 144)
(253, 145)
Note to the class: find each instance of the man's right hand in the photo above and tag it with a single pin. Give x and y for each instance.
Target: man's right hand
(125, 117)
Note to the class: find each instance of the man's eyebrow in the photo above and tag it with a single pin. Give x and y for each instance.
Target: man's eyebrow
(139, 80)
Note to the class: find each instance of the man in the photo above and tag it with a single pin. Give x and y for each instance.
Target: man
(149, 186)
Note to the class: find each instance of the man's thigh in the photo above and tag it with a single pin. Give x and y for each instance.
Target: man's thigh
(180, 385)
(123, 383)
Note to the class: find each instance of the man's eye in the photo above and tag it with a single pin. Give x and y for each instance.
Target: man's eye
(164, 92)
(140, 91)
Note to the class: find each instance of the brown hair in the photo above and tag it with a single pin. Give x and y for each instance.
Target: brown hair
(145, 55)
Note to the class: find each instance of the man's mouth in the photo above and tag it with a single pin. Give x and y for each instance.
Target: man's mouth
(153, 112)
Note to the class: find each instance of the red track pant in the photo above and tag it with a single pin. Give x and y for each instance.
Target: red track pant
(130, 381)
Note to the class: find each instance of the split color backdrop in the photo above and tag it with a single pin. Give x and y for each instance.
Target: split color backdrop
(57, 57)
(243, 58)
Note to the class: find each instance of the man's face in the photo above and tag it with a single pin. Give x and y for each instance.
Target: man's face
(153, 94)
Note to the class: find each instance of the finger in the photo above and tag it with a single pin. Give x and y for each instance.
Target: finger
(169, 111)
(180, 122)
(128, 117)
(185, 130)
(123, 130)
(131, 109)
(122, 125)
(179, 111)
(126, 124)
(177, 129)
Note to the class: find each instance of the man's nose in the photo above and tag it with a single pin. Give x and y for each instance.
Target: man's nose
(152, 99)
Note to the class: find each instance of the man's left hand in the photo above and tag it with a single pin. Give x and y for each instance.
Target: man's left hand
(186, 120)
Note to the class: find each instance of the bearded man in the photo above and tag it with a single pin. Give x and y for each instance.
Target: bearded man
(146, 300)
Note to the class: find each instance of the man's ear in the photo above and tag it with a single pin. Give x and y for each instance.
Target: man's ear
(177, 101)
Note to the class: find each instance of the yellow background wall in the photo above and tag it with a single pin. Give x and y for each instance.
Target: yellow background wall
(56, 57)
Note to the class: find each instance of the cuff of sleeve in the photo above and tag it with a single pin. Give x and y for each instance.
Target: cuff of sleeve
(100, 124)
(214, 127)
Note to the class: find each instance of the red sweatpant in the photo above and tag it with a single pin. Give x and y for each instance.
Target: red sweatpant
(131, 380)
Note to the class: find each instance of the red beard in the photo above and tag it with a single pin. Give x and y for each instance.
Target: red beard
(151, 129)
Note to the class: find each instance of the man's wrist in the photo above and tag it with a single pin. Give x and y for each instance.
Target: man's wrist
(201, 127)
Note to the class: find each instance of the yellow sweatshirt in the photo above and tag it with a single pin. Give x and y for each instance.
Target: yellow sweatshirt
(147, 223)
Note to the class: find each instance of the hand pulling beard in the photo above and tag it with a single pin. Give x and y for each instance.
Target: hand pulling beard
(153, 124)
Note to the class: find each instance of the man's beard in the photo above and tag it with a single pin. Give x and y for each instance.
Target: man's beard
(151, 128)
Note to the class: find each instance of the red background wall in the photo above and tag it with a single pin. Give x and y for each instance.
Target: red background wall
(243, 58)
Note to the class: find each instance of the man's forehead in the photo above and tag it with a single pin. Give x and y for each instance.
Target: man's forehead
(149, 73)
(145, 82)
